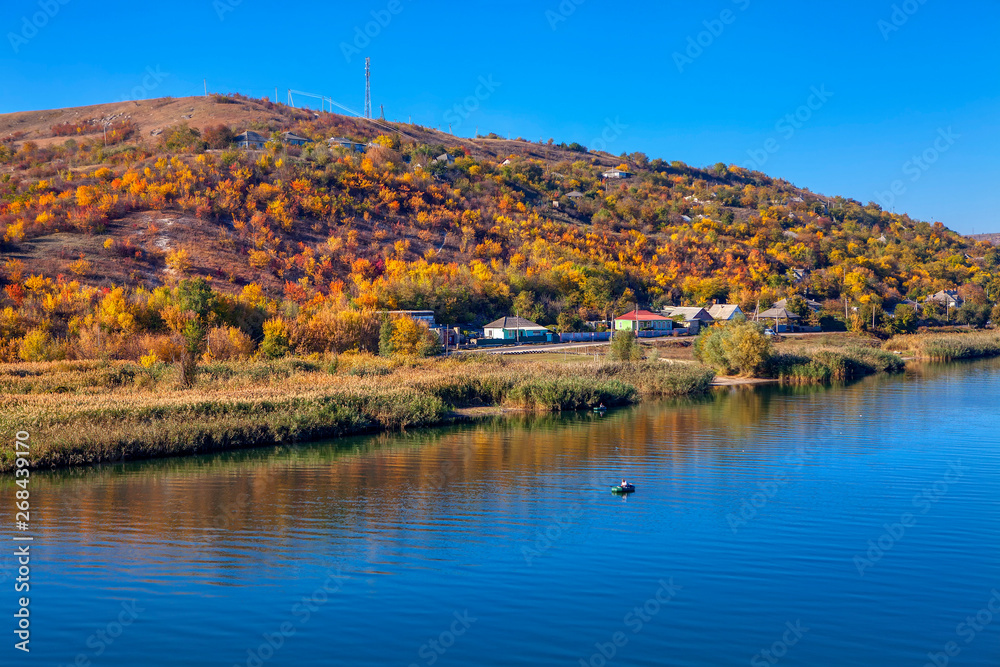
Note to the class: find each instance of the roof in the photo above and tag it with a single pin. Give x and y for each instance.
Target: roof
(514, 323)
(642, 316)
(688, 313)
(575, 193)
(250, 135)
(296, 137)
(779, 314)
(812, 305)
(724, 311)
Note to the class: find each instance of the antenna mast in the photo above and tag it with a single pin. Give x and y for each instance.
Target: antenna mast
(368, 87)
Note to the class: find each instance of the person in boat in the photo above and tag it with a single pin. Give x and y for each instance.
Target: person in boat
(624, 483)
(601, 407)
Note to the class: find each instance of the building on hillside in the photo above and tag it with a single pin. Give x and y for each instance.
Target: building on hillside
(425, 316)
(516, 329)
(250, 139)
(779, 315)
(948, 298)
(616, 173)
(643, 320)
(294, 139)
(576, 194)
(348, 144)
(814, 306)
(724, 312)
(693, 317)
(444, 157)
(688, 314)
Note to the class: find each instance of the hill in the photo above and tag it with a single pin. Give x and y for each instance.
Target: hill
(110, 213)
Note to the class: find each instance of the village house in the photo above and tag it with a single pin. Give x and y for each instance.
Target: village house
(425, 316)
(948, 298)
(294, 139)
(250, 139)
(724, 312)
(616, 173)
(643, 320)
(347, 143)
(516, 329)
(693, 317)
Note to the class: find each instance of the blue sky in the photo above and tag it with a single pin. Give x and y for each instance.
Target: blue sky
(883, 96)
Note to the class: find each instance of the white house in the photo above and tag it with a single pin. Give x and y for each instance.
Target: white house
(724, 312)
(515, 328)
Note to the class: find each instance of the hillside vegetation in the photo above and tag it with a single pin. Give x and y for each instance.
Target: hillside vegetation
(167, 243)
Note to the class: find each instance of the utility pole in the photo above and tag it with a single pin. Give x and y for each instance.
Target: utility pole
(205, 81)
(368, 88)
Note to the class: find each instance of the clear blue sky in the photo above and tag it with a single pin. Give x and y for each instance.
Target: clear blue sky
(563, 70)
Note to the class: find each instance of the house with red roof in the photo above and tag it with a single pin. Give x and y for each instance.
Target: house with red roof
(643, 320)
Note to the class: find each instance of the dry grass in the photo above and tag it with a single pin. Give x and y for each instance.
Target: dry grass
(947, 347)
(86, 412)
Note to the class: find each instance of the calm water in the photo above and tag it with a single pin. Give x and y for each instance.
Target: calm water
(851, 526)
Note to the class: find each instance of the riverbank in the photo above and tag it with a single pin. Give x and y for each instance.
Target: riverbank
(947, 347)
(87, 412)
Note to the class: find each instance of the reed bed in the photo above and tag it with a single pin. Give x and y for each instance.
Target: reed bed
(88, 412)
(823, 365)
(947, 347)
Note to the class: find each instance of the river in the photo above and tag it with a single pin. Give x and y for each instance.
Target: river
(854, 525)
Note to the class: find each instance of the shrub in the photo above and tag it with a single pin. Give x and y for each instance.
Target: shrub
(225, 343)
(625, 347)
(276, 338)
(735, 348)
(35, 346)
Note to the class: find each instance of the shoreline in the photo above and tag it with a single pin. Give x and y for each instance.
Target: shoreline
(92, 412)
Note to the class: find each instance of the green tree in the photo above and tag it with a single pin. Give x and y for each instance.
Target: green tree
(569, 321)
(735, 348)
(973, 315)
(625, 347)
(385, 347)
(904, 320)
(276, 339)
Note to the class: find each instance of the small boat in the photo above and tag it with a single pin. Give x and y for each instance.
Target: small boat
(600, 408)
(621, 490)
